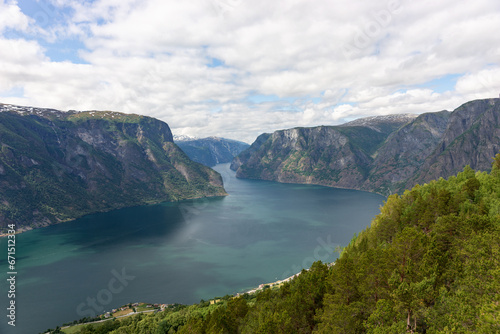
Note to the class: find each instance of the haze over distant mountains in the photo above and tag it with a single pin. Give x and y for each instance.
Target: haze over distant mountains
(383, 154)
(210, 151)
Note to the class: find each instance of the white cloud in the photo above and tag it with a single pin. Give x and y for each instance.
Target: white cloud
(11, 16)
(481, 84)
(335, 59)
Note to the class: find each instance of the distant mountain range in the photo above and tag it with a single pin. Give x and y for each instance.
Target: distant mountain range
(210, 151)
(383, 154)
(56, 166)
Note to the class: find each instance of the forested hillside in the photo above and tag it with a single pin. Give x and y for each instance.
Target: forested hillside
(429, 263)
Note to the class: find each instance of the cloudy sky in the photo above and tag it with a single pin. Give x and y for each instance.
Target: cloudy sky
(238, 68)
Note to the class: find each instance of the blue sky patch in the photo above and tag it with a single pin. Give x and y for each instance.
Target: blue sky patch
(442, 84)
(47, 17)
(44, 13)
(214, 62)
(66, 50)
(13, 92)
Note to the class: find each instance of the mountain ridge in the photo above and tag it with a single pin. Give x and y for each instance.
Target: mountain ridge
(57, 166)
(383, 154)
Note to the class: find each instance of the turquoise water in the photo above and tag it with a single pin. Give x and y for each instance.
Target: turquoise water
(179, 252)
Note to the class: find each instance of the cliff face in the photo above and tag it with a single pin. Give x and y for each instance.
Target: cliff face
(212, 150)
(381, 154)
(472, 137)
(404, 152)
(338, 156)
(56, 166)
(250, 153)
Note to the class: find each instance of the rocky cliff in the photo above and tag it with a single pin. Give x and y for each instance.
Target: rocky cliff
(381, 154)
(339, 156)
(472, 137)
(56, 166)
(212, 150)
(404, 152)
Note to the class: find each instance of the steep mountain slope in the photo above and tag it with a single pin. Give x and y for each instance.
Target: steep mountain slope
(212, 150)
(405, 151)
(338, 156)
(368, 154)
(56, 166)
(472, 137)
(245, 155)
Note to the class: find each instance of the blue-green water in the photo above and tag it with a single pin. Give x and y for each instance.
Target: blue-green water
(179, 252)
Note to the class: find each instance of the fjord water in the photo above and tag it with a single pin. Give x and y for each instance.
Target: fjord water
(179, 252)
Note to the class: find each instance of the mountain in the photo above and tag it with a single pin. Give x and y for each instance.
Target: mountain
(383, 154)
(57, 166)
(183, 137)
(472, 137)
(405, 151)
(212, 150)
(339, 156)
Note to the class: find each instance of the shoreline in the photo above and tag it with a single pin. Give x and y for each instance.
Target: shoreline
(162, 307)
(23, 229)
(276, 283)
(320, 184)
(269, 285)
(211, 301)
(19, 231)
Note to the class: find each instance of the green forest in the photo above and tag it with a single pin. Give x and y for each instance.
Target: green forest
(429, 263)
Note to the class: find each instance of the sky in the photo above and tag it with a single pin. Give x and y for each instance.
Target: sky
(239, 68)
